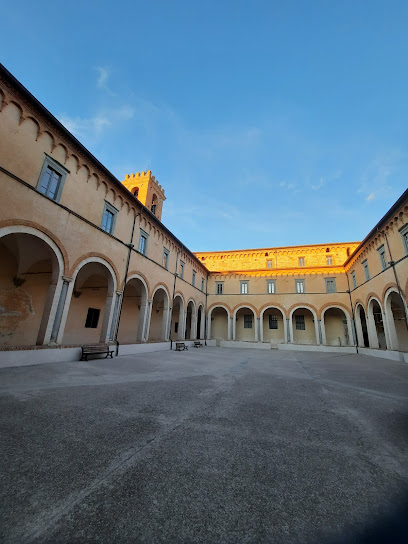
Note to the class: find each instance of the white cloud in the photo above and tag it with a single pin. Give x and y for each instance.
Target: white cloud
(94, 126)
(371, 196)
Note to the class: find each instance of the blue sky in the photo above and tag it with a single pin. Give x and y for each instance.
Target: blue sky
(267, 122)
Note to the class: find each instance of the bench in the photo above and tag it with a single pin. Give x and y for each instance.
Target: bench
(96, 349)
(180, 346)
(198, 344)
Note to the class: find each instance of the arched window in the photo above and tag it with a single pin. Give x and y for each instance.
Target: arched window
(135, 191)
(154, 204)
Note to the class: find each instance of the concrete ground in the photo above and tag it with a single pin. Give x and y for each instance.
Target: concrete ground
(207, 445)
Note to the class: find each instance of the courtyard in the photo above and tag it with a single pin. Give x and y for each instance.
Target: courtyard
(206, 445)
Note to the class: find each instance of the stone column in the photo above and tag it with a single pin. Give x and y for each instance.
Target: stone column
(320, 333)
(147, 321)
(60, 308)
(257, 329)
(115, 316)
(232, 332)
(289, 328)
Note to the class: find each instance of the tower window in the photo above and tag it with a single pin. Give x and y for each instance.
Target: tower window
(269, 263)
(329, 260)
(301, 261)
(135, 191)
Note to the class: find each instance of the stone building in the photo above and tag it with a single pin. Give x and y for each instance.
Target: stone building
(86, 259)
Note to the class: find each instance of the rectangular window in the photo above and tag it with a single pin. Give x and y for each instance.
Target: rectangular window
(366, 270)
(330, 285)
(92, 318)
(202, 284)
(244, 287)
(248, 321)
(300, 322)
(269, 263)
(109, 218)
(300, 286)
(176, 326)
(329, 260)
(383, 257)
(271, 287)
(404, 236)
(219, 287)
(273, 321)
(194, 278)
(143, 242)
(52, 179)
(301, 261)
(353, 278)
(181, 270)
(165, 262)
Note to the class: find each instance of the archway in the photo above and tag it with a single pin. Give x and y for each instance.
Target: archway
(218, 322)
(30, 285)
(273, 326)
(159, 316)
(375, 325)
(91, 306)
(190, 328)
(361, 327)
(336, 327)
(200, 323)
(245, 325)
(177, 319)
(395, 311)
(304, 328)
(133, 313)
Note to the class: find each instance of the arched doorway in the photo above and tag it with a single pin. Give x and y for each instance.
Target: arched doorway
(273, 326)
(395, 312)
(336, 328)
(375, 325)
(245, 325)
(303, 324)
(200, 323)
(159, 316)
(177, 319)
(361, 327)
(133, 313)
(218, 319)
(91, 305)
(190, 329)
(30, 284)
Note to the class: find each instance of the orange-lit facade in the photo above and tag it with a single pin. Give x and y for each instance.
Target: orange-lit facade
(86, 259)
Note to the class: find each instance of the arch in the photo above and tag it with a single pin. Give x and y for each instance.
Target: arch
(336, 331)
(157, 286)
(338, 305)
(190, 320)
(137, 274)
(83, 298)
(386, 288)
(135, 191)
(270, 329)
(376, 326)
(159, 312)
(303, 332)
(97, 257)
(275, 305)
(243, 305)
(32, 270)
(218, 323)
(361, 325)
(221, 305)
(306, 305)
(200, 322)
(396, 312)
(177, 317)
(133, 310)
(244, 329)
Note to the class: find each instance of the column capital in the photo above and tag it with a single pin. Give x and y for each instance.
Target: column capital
(67, 279)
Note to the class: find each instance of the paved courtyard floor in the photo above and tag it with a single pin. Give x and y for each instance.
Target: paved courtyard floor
(207, 445)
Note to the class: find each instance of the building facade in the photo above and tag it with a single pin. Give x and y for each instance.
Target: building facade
(86, 259)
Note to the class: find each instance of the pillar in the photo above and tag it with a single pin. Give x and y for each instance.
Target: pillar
(60, 308)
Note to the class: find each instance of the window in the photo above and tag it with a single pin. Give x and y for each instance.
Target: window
(273, 321)
(219, 287)
(92, 318)
(135, 191)
(366, 270)
(248, 321)
(109, 218)
(329, 260)
(194, 278)
(383, 257)
(165, 262)
(300, 322)
(404, 235)
(269, 263)
(353, 278)
(143, 242)
(153, 209)
(330, 285)
(52, 179)
(271, 287)
(181, 270)
(301, 261)
(176, 326)
(300, 286)
(202, 284)
(244, 287)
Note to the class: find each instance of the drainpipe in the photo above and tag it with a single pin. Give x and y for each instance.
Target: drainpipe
(205, 311)
(130, 246)
(352, 314)
(172, 303)
(392, 264)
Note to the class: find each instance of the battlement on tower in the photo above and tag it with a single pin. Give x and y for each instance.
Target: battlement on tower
(145, 187)
(143, 176)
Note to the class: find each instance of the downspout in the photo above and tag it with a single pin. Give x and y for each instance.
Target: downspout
(352, 313)
(172, 302)
(130, 247)
(205, 311)
(392, 264)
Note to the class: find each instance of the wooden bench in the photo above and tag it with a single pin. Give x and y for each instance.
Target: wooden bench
(180, 346)
(198, 344)
(96, 349)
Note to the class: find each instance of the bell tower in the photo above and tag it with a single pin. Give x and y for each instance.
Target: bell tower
(147, 190)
